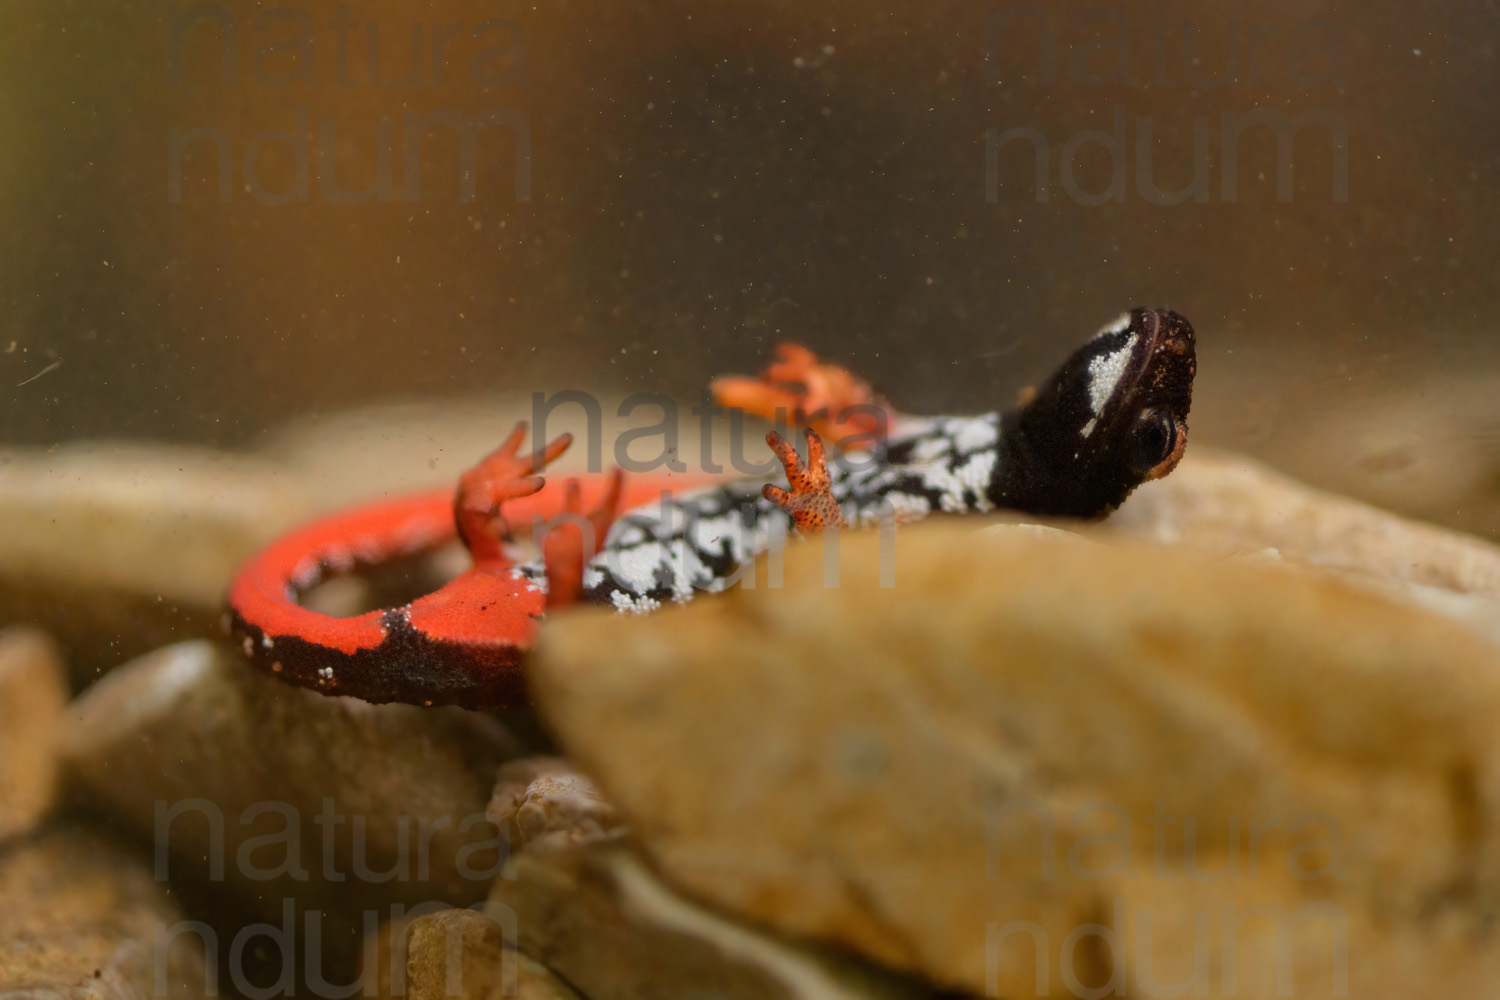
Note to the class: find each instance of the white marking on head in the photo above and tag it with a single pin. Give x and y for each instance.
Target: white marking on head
(1105, 373)
(1119, 324)
(1088, 428)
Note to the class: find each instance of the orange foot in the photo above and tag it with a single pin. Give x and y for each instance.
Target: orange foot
(567, 550)
(810, 503)
(827, 398)
(506, 475)
(501, 475)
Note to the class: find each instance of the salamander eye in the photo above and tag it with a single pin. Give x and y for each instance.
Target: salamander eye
(1153, 442)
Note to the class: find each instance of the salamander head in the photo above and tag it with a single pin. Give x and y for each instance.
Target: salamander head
(1112, 417)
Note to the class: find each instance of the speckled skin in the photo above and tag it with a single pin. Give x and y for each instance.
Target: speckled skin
(1114, 416)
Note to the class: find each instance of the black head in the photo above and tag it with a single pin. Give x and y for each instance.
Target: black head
(1112, 417)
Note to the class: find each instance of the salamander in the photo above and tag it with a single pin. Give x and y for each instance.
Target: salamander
(1113, 416)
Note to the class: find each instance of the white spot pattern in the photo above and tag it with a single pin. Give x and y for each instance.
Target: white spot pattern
(1105, 373)
(696, 542)
(633, 605)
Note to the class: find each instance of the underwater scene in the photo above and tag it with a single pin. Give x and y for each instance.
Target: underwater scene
(755, 500)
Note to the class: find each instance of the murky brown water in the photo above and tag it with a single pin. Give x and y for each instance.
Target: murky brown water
(668, 190)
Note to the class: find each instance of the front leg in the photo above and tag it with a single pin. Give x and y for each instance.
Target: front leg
(797, 388)
(810, 502)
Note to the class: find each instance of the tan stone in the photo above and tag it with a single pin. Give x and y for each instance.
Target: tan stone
(83, 920)
(118, 548)
(1223, 503)
(33, 691)
(886, 769)
(603, 920)
(268, 793)
(544, 803)
(153, 519)
(1267, 936)
(576, 896)
(1229, 505)
(455, 952)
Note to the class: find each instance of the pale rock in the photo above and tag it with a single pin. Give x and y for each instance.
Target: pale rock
(598, 916)
(544, 803)
(118, 548)
(1019, 732)
(576, 897)
(83, 919)
(265, 793)
(33, 691)
(455, 953)
(1026, 529)
(1221, 503)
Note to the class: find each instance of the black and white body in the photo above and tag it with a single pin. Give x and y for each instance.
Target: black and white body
(1112, 417)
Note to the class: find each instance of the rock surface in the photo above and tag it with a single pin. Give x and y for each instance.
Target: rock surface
(33, 691)
(81, 921)
(577, 897)
(455, 953)
(1024, 743)
(118, 548)
(597, 914)
(543, 803)
(258, 793)
(1221, 503)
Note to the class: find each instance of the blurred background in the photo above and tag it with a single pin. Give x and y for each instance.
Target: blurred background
(221, 217)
